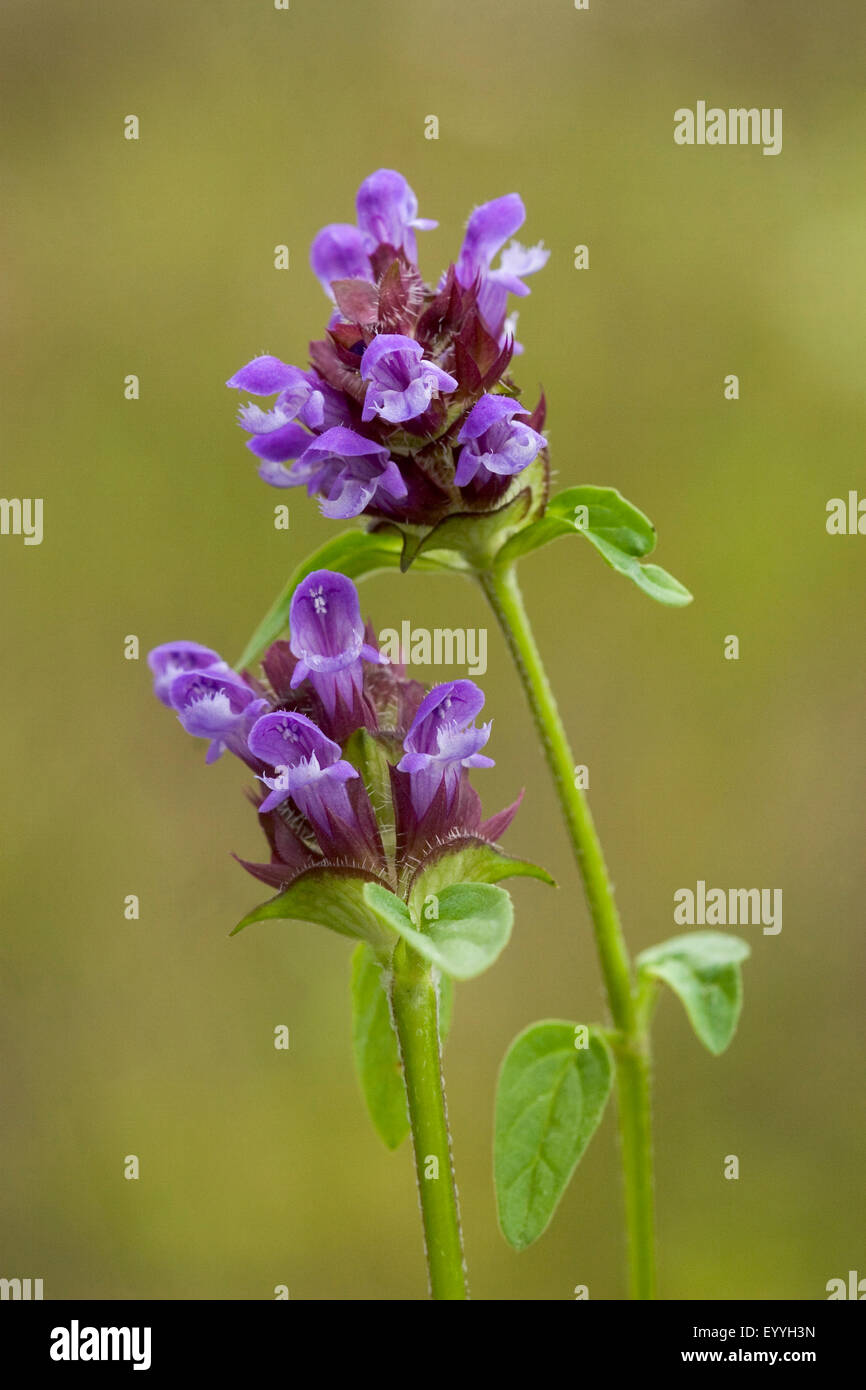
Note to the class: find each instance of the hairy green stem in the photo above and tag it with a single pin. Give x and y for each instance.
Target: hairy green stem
(415, 1011)
(633, 1079)
(635, 1127)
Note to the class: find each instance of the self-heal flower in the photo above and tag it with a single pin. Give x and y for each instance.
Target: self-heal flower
(494, 442)
(299, 395)
(327, 637)
(323, 731)
(348, 471)
(388, 213)
(173, 658)
(217, 706)
(309, 767)
(373, 426)
(387, 216)
(442, 740)
(487, 230)
(401, 383)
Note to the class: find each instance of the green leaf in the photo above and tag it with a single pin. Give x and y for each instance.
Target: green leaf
(330, 898)
(651, 578)
(374, 1042)
(468, 860)
(658, 584)
(549, 1101)
(621, 533)
(472, 928)
(610, 517)
(377, 1055)
(353, 553)
(703, 968)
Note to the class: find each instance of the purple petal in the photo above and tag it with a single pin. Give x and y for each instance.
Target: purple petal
(257, 421)
(389, 346)
(347, 498)
(288, 442)
(190, 687)
(457, 702)
(276, 475)
(264, 376)
(486, 412)
(340, 442)
(216, 707)
(388, 211)
(173, 658)
(338, 253)
(326, 407)
(285, 739)
(325, 620)
(487, 230)
(391, 480)
(517, 260)
(494, 441)
(401, 383)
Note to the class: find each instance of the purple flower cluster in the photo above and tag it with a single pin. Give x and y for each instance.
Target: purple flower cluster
(407, 412)
(297, 729)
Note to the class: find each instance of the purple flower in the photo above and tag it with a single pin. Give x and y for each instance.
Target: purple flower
(494, 442)
(442, 740)
(401, 383)
(327, 637)
(487, 230)
(309, 768)
(216, 706)
(173, 658)
(339, 252)
(376, 425)
(388, 213)
(299, 395)
(345, 467)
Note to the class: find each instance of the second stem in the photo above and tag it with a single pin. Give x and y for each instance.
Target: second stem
(504, 596)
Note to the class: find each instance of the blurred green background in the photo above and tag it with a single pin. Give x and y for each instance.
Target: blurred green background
(156, 258)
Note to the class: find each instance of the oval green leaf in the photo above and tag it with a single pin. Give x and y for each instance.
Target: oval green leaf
(332, 898)
(469, 861)
(471, 929)
(549, 1102)
(377, 1055)
(703, 970)
(620, 532)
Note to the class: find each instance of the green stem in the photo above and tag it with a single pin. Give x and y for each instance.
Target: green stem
(633, 1081)
(415, 1011)
(635, 1127)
